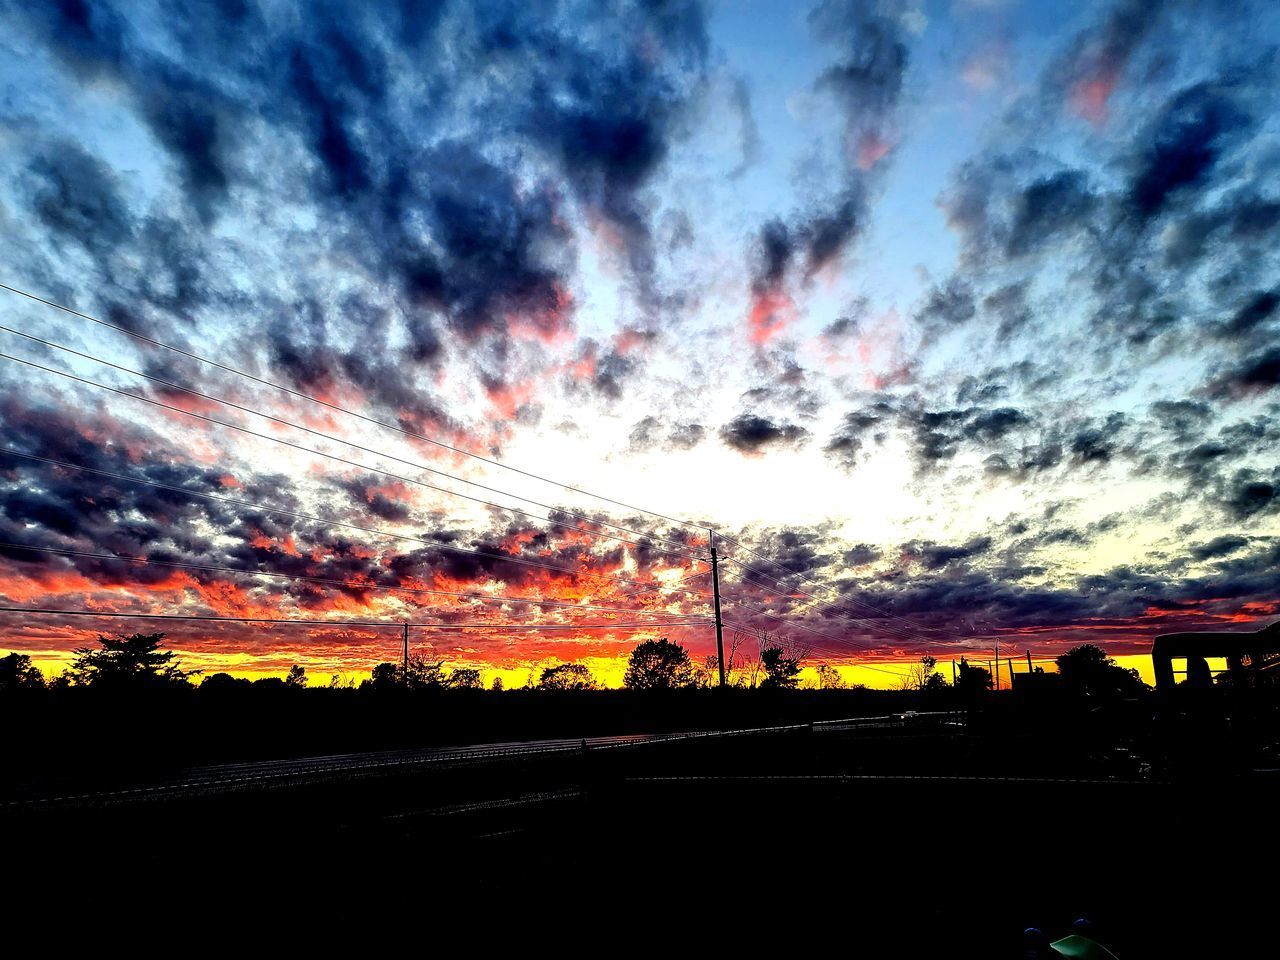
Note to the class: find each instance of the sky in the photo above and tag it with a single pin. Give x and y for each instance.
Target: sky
(956, 321)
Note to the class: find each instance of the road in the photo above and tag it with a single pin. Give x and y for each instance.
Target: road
(225, 778)
(232, 777)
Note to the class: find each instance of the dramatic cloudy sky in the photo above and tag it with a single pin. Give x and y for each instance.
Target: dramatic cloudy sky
(965, 313)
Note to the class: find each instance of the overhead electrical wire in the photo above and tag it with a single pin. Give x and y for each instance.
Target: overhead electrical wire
(498, 627)
(329, 581)
(333, 406)
(357, 446)
(878, 623)
(338, 523)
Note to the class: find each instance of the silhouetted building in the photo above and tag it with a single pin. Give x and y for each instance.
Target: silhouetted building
(1252, 658)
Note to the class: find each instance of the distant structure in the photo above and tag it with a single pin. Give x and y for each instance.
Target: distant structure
(1253, 658)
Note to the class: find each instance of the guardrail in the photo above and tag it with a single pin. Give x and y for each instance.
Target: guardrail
(890, 721)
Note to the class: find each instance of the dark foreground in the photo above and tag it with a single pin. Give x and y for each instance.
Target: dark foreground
(925, 839)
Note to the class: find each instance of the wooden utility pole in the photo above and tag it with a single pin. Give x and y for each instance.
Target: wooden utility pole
(715, 592)
(406, 651)
(997, 664)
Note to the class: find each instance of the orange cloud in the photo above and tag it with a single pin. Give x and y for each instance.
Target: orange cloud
(771, 312)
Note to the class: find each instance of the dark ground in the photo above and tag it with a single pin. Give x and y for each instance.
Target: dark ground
(925, 840)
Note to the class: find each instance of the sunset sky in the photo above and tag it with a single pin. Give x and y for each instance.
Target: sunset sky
(963, 314)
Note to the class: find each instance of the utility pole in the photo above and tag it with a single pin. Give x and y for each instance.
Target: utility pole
(997, 664)
(406, 651)
(715, 592)
(1028, 659)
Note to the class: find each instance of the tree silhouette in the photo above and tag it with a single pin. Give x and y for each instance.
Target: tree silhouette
(659, 665)
(223, 683)
(133, 660)
(465, 678)
(567, 676)
(922, 675)
(781, 672)
(972, 680)
(1088, 670)
(829, 678)
(385, 676)
(296, 677)
(17, 672)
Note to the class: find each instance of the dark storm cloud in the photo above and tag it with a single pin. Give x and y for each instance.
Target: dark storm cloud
(842, 327)
(795, 555)
(367, 493)
(1098, 441)
(1173, 198)
(934, 556)
(612, 371)
(1202, 461)
(750, 433)
(1219, 547)
(685, 436)
(1250, 494)
(857, 428)
(1253, 375)
(49, 506)
(186, 114)
(1047, 209)
(77, 196)
(860, 555)
(1257, 310)
(1010, 307)
(652, 432)
(44, 505)
(1097, 58)
(947, 306)
(951, 594)
(940, 434)
(1244, 215)
(599, 95)
(865, 80)
(609, 118)
(1184, 144)
(1183, 418)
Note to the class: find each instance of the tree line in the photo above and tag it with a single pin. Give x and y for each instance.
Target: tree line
(137, 662)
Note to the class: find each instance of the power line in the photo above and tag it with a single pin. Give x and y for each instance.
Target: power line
(336, 523)
(357, 446)
(672, 586)
(499, 627)
(491, 598)
(289, 443)
(333, 406)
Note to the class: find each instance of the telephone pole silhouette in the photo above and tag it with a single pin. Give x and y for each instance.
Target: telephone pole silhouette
(715, 592)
